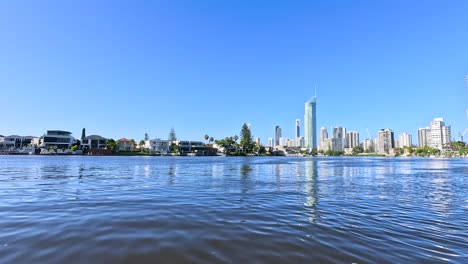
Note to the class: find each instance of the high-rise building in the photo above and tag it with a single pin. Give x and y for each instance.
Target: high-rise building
(406, 140)
(424, 135)
(323, 138)
(368, 145)
(339, 132)
(298, 128)
(310, 124)
(270, 142)
(277, 135)
(257, 140)
(440, 133)
(352, 139)
(385, 141)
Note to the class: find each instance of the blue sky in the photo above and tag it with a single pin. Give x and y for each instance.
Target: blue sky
(125, 68)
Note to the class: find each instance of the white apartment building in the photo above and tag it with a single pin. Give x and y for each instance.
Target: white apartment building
(368, 145)
(352, 139)
(385, 141)
(440, 133)
(158, 145)
(57, 138)
(424, 136)
(323, 138)
(405, 140)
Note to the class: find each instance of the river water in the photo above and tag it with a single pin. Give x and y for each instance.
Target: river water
(232, 210)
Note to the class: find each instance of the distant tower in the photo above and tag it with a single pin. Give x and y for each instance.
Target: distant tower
(310, 124)
(298, 128)
(270, 142)
(277, 135)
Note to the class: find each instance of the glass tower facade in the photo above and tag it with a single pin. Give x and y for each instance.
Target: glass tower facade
(310, 124)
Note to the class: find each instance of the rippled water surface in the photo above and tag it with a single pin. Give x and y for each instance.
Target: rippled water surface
(232, 210)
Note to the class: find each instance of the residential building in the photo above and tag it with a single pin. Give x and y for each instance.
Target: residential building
(283, 142)
(298, 128)
(310, 124)
(405, 140)
(323, 138)
(125, 144)
(186, 146)
(339, 132)
(158, 145)
(94, 142)
(257, 141)
(396, 143)
(57, 138)
(368, 145)
(270, 142)
(385, 141)
(15, 141)
(333, 144)
(440, 133)
(424, 136)
(352, 139)
(277, 135)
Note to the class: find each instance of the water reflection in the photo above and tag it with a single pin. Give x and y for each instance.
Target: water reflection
(245, 169)
(311, 188)
(172, 172)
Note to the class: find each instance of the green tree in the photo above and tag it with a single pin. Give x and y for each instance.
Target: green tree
(146, 137)
(141, 144)
(133, 143)
(206, 138)
(112, 144)
(246, 142)
(211, 140)
(357, 150)
(172, 136)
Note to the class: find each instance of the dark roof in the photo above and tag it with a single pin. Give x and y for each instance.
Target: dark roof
(95, 137)
(60, 131)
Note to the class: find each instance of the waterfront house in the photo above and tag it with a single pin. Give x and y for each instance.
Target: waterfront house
(94, 142)
(57, 138)
(157, 145)
(16, 142)
(125, 144)
(196, 147)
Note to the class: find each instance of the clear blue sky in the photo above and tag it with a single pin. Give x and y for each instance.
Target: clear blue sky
(125, 68)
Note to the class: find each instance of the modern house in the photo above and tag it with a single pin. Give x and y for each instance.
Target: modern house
(195, 147)
(16, 142)
(57, 138)
(158, 145)
(94, 142)
(125, 144)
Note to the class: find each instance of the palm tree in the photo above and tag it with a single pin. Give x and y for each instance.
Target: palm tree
(206, 138)
(212, 140)
(141, 144)
(132, 143)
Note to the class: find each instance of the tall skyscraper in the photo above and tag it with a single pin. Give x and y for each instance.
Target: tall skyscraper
(277, 135)
(339, 132)
(270, 142)
(406, 140)
(385, 141)
(352, 139)
(440, 133)
(424, 135)
(310, 124)
(298, 128)
(323, 138)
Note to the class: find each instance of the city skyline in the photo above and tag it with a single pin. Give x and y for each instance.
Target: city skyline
(207, 68)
